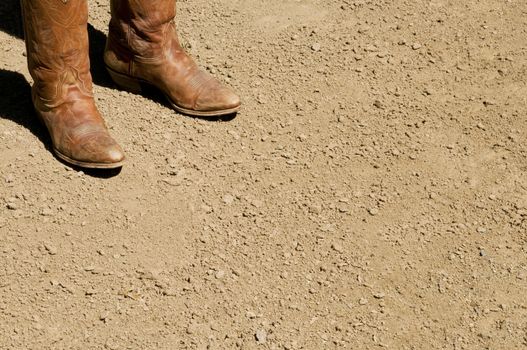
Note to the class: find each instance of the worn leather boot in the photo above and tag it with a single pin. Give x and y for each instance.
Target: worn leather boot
(143, 47)
(57, 49)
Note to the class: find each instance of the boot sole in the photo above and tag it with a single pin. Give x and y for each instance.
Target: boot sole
(135, 85)
(87, 164)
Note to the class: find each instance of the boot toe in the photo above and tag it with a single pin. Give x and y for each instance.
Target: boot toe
(217, 98)
(105, 151)
(97, 151)
(114, 155)
(232, 100)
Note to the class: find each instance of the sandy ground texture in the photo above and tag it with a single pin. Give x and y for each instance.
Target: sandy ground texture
(371, 194)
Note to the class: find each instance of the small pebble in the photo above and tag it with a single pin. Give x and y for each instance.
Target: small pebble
(378, 104)
(228, 199)
(261, 336)
(104, 315)
(373, 211)
(12, 206)
(379, 295)
(337, 247)
(50, 248)
(46, 212)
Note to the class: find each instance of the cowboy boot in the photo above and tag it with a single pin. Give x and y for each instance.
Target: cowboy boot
(143, 47)
(57, 50)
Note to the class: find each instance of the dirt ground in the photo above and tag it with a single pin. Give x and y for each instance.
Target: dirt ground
(371, 194)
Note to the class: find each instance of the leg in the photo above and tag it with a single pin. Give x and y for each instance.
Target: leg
(57, 50)
(143, 47)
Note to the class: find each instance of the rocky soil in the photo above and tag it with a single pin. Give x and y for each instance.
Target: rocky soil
(371, 194)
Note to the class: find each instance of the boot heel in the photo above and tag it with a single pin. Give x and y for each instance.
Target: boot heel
(125, 82)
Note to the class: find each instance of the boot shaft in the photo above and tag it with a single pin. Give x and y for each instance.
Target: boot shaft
(56, 37)
(144, 14)
(144, 27)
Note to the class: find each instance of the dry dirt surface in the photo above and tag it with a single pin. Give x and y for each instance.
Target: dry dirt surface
(371, 194)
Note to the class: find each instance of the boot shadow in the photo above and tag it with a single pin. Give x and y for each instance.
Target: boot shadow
(11, 19)
(98, 71)
(16, 105)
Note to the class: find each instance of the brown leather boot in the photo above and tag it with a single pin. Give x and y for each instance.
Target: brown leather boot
(143, 47)
(57, 51)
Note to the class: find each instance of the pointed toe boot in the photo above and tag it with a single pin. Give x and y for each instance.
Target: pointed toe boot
(57, 50)
(143, 48)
